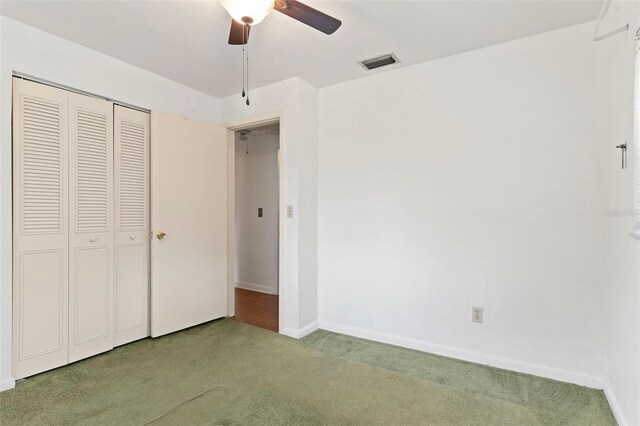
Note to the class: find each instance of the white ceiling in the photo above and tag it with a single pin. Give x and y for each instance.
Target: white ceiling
(186, 41)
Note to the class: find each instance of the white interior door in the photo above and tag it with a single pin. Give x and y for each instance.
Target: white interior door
(189, 205)
(131, 140)
(40, 228)
(90, 226)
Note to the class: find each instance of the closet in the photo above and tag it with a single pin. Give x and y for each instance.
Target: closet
(80, 226)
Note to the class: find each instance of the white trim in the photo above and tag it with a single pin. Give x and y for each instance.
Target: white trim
(470, 356)
(254, 121)
(7, 384)
(231, 190)
(257, 287)
(304, 331)
(613, 403)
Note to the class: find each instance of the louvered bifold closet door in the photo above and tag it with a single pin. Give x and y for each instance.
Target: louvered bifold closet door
(40, 290)
(91, 226)
(131, 129)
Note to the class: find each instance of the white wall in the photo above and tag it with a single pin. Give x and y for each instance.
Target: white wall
(296, 102)
(256, 238)
(474, 180)
(622, 254)
(27, 50)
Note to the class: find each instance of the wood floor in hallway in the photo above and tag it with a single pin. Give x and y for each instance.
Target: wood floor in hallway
(258, 309)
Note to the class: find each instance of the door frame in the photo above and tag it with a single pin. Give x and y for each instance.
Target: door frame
(232, 127)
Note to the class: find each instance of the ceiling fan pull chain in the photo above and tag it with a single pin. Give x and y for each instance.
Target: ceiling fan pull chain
(248, 103)
(243, 43)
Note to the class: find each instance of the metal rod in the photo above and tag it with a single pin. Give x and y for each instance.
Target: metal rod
(81, 92)
(623, 149)
(614, 32)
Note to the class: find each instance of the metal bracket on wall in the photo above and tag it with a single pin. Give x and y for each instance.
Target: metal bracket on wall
(609, 34)
(623, 151)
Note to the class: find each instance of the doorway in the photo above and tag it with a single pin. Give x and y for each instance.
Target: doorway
(256, 225)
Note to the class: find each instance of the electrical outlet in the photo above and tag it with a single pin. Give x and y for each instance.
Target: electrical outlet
(476, 314)
(289, 212)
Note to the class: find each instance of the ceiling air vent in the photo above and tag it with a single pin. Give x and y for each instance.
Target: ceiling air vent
(380, 61)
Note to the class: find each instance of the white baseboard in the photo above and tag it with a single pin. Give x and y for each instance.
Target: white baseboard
(615, 406)
(257, 287)
(465, 355)
(7, 384)
(304, 331)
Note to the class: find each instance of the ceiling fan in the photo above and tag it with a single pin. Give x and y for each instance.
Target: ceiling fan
(246, 13)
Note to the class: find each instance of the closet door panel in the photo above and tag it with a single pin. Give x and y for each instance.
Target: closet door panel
(40, 233)
(92, 293)
(41, 297)
(132, 294)
(91, 226)
(131, 129)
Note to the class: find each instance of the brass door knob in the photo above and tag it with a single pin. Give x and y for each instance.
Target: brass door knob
(161, 235)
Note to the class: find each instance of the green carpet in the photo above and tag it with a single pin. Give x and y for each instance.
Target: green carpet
(228, 373)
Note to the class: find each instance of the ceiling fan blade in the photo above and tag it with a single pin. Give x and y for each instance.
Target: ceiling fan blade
(239, 33)
(308, 15)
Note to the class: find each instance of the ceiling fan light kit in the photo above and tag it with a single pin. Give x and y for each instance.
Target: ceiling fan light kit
(246, 13)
